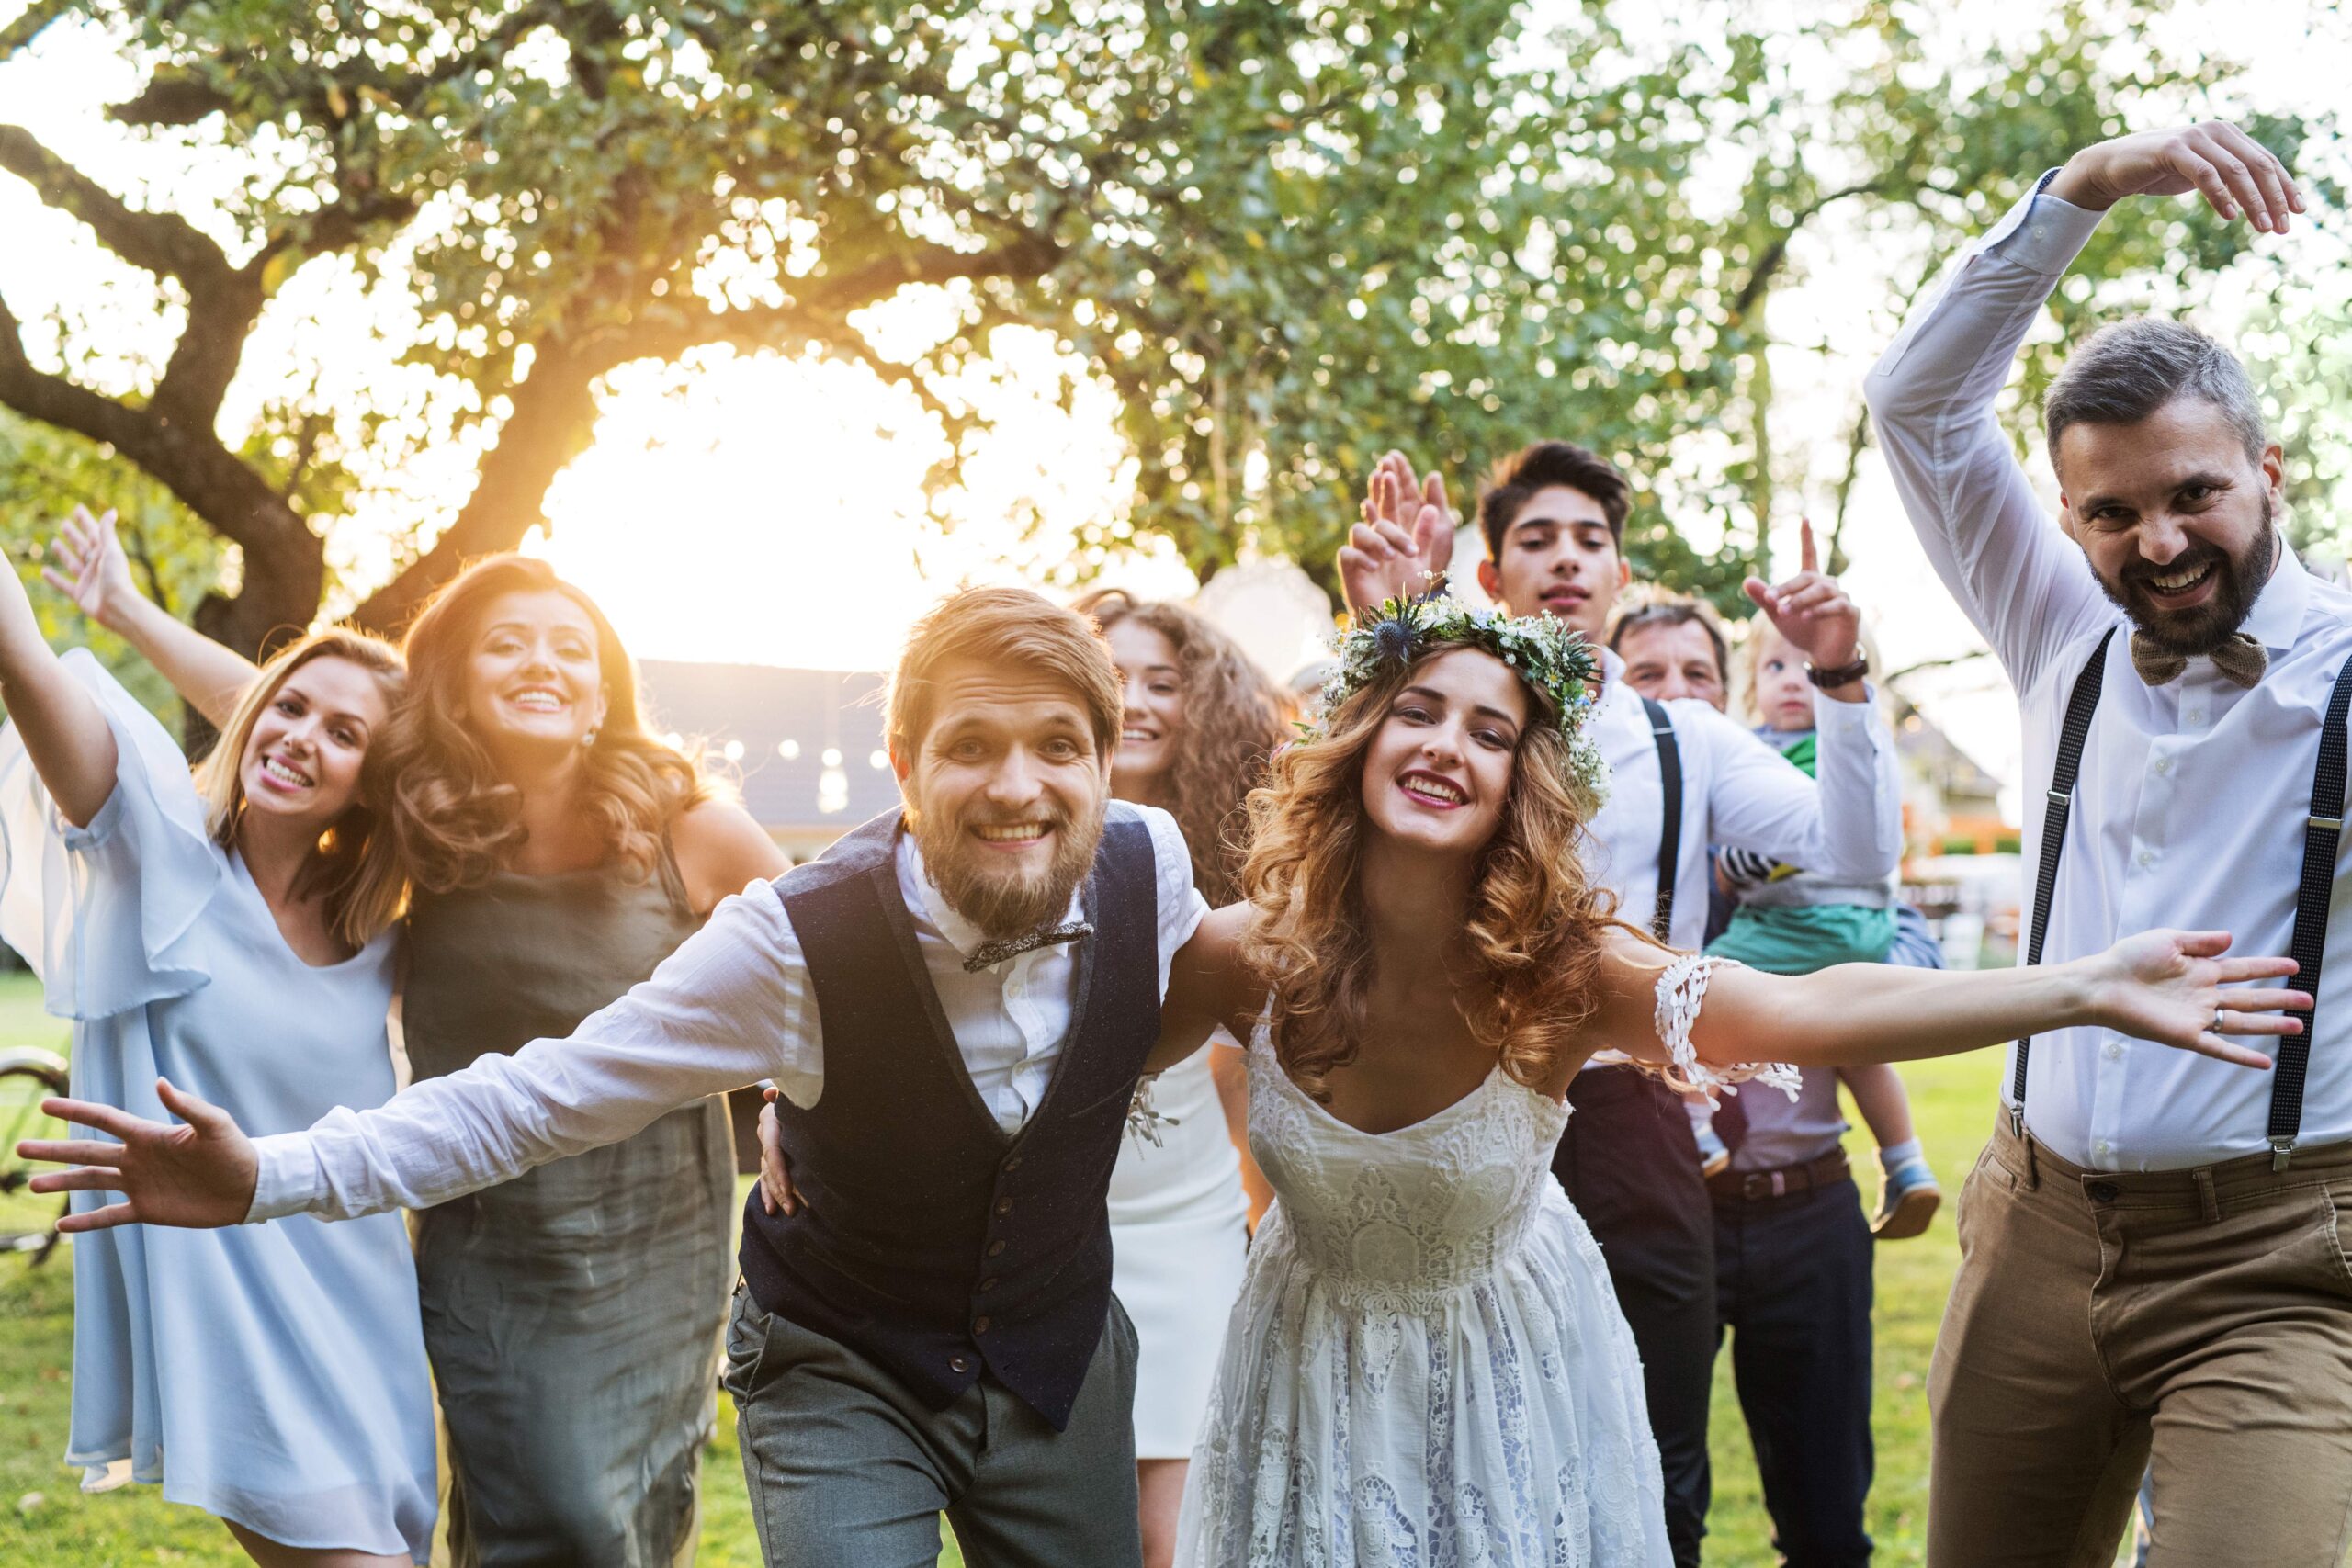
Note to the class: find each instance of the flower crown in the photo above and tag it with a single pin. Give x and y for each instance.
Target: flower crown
(1540, 650)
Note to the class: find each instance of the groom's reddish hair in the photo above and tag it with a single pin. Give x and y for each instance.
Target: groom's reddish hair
(1016, 630)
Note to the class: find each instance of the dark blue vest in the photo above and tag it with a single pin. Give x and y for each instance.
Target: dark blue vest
(929, 1241)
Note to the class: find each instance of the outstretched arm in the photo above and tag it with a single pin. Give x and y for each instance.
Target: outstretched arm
(72, 748)
(95, 573)
(2161, 985)
(729, 1006)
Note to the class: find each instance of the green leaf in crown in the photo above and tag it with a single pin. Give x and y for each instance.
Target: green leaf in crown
(1542, 650)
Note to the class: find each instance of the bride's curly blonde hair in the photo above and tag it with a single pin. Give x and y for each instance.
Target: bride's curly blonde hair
(1533, 926)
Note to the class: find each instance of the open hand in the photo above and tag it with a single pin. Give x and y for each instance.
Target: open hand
(1811, 610)
(92, 569)
(777, 1195)
(2169, 987)
(199, 1175)
(2230, 169)
(1404, 539)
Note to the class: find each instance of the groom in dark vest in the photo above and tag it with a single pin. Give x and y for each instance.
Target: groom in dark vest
(929, 1325)
(954, 1005)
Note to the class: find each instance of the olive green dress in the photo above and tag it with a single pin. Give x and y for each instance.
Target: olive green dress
(572, 1314)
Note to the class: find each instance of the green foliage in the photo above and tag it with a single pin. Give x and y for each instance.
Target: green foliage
(44, 474)
(1291, 234)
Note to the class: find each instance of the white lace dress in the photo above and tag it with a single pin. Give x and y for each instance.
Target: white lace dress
(1427, 1365)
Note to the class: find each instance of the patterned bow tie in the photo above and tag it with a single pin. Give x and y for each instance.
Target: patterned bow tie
(991, 954)
(2241, 658)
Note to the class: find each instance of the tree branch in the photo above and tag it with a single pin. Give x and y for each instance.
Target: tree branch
(1776, 254)
(285, 562)
(30, 25)
(161, 243)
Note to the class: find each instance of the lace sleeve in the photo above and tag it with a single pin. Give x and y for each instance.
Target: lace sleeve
(1681, 990)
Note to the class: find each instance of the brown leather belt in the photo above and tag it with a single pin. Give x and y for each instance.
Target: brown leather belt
(1754, 1186)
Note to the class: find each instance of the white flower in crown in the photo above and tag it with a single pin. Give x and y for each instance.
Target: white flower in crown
(1541, 649)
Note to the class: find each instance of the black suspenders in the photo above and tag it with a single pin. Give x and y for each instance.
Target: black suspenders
(1669, 837)
(2308, 947)
(2080, 706)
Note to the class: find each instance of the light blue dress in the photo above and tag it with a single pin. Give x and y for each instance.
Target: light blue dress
(272, 1375)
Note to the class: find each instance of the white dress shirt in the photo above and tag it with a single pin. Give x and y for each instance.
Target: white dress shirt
(1737, 790)
(731, 1006)
(2189, 809)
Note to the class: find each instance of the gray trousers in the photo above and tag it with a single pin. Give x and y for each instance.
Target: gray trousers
(847, 1468)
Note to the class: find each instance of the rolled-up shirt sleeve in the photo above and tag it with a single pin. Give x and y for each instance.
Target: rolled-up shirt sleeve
(731, 1006)
(1848, 825)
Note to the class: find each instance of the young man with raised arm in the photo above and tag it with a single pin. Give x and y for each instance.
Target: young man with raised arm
(1554, 516)
(2154, 1260)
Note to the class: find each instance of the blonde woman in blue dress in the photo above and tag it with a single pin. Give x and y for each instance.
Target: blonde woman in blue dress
(230, 931)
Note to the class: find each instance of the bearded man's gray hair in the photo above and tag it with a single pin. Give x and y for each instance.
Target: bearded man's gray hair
(2130, 369)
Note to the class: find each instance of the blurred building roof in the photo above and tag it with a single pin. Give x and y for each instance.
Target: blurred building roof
(806, 746)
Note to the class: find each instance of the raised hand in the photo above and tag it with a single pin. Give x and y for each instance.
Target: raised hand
(1403, 540)
(2229, 168)
(1811, 610)
(198, 1176)
(2174, 987)
(92, 570)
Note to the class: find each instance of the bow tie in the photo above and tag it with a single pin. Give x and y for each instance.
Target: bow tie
(991, 954)
(2240, 658)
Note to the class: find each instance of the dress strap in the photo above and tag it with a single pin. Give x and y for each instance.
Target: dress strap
(1681, 991)
(673, 881)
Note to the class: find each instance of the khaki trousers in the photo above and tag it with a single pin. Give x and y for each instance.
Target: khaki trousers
(2201, 1318)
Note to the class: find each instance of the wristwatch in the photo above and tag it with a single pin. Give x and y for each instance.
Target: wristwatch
(1840, 675)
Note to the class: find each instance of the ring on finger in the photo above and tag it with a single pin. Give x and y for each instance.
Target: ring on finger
(2217, 1021)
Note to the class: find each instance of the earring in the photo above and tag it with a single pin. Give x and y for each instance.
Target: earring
(588, 741)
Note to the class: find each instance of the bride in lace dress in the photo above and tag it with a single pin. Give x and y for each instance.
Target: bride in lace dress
(1426, 1364)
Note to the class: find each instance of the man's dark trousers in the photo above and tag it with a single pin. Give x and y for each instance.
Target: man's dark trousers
(1628, 1163)
(1793, 1284)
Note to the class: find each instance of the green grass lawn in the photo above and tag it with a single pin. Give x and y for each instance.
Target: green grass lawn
(45, 1520)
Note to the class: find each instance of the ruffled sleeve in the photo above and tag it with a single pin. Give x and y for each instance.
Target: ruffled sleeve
(1681, 990)
(104, 913)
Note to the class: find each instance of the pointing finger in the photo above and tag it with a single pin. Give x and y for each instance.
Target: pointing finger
(1808, 553)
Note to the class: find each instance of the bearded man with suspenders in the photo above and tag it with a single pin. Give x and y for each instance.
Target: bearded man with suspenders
(1681, 776)
(2153, 1267)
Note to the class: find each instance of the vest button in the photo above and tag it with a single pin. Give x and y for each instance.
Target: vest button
(980, 1325)
(1013, 1164)
(959, 1363)
(1004, 1205)
(995, 1248)
(989, 1283)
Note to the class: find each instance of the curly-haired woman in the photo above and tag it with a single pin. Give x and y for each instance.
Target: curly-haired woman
(1426, 1361)
(1199, 723)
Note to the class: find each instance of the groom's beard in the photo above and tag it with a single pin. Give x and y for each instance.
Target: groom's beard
(2199, 630)
(1005, 902)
